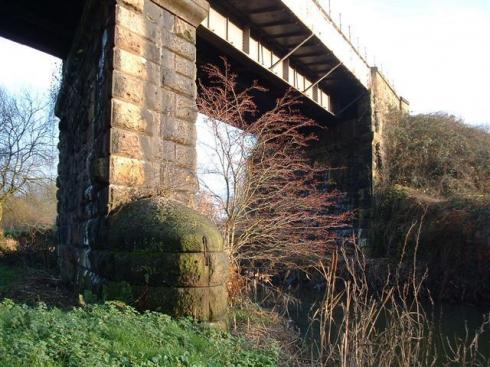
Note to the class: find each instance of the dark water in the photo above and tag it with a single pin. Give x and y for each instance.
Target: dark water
(452, 321)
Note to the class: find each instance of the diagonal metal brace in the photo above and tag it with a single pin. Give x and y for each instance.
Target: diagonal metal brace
(292, 51)
(351, 103)
(323, 77)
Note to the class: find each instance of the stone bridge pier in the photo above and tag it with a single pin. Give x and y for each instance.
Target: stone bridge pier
(127, 168)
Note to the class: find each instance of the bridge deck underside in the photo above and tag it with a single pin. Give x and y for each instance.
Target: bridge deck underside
(48, 26)
(210, 49)
(271, 22)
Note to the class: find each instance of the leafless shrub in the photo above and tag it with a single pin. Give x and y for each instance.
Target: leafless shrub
(26, 143)
(274, 211)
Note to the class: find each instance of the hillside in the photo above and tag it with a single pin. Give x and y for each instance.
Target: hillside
(434, 202)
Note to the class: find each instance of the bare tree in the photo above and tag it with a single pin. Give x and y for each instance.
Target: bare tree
(26, 143)
(274, 209)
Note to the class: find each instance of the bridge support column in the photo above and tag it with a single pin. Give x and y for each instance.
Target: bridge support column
(127, 131)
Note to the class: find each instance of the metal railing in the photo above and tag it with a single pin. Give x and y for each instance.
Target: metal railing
(325, 7)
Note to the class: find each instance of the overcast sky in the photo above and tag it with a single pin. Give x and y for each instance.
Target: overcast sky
(437, 52)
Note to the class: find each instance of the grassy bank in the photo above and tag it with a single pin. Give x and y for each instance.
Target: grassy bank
(434, 201)
(116, 335)
(42, 323)
(449, 238)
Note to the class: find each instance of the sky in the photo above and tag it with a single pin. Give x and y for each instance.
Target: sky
(436, 52)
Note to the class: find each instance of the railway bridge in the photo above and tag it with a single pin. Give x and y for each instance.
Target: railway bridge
(127, 127)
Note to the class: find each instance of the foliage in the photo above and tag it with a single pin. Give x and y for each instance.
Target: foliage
(452, 242)
(262, 326)
(438, 154)
(116, 335)
(437, 169)
(275, 212)
(31, 246)
(26, 143)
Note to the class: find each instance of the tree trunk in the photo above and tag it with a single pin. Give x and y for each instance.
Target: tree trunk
(1, 224)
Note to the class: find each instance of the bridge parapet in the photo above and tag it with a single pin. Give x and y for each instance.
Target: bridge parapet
(314, 14)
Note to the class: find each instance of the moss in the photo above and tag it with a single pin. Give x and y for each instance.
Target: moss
(163, 256)
(161, 268)
(203, 303)
(162, 225)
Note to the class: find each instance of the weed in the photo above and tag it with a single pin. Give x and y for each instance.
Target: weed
(114, 334)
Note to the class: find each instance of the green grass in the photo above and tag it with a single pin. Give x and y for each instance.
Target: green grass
(116, 335)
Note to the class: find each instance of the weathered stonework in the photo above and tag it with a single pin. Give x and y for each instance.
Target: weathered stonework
(353, 149)
(346, 149)
(384, 101)
(172, 257)
(127, 130)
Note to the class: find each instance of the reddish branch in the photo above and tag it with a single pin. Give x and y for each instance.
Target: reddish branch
(276, 213)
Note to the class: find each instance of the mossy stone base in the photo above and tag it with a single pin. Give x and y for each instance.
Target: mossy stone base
(159, 224)
(162, 269)
(162, 256)
(205, 303)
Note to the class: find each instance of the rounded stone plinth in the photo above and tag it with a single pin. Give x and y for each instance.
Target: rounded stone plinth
(161, 255)
(158, 224)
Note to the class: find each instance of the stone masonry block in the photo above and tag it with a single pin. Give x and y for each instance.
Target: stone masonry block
(178, 178)
(167, 58)
(154, 268)
(119, 195)
(179, 131)
(186, 108)
(192, 11)
(185, 67)
(132, 117)
(129, 41)
(179, 45)
(136, 5)
(186, 156)
(168, 102)
(185, 30)
(99, 170)
(152, 96)
(136, 91)
(131, 145)
(130, 172)
(168, 150)
(138, 24)
(168, 19)
(136, 66)
(127, 88)
(178, 83)
(153, 13)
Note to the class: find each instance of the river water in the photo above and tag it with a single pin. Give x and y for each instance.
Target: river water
(452, 321)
